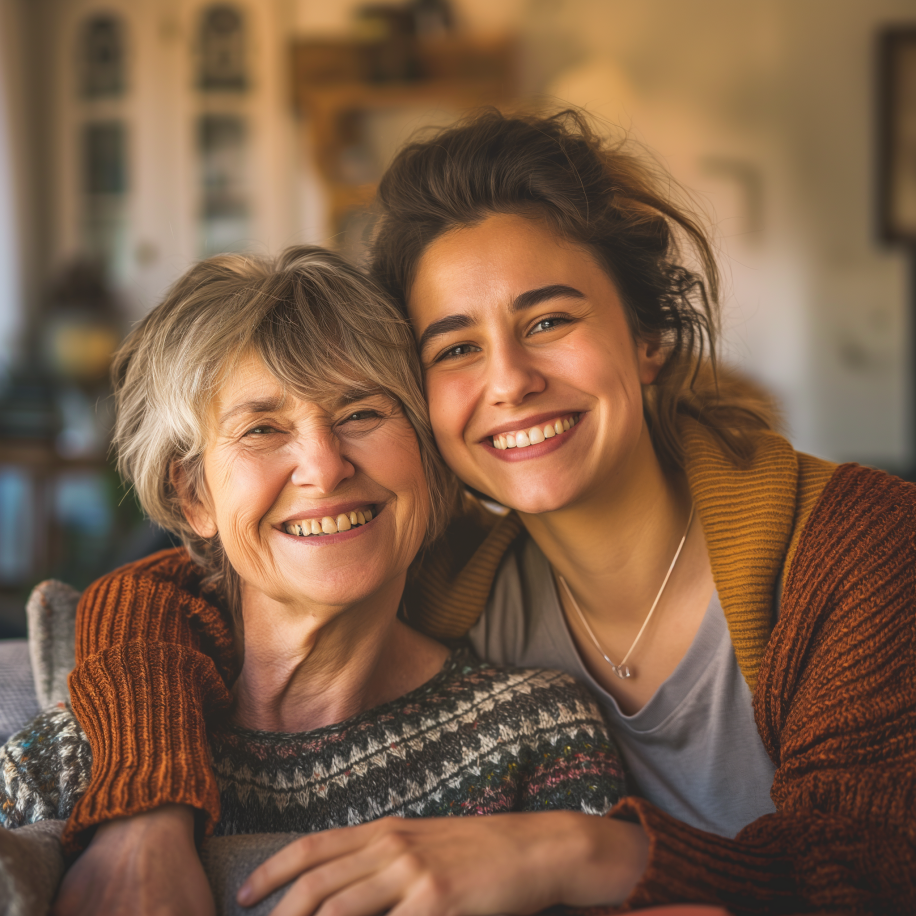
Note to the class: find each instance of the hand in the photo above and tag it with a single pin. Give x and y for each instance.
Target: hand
(504, 863)
(146, 865)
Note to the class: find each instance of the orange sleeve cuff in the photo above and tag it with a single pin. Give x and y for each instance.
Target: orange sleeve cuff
(143, 707)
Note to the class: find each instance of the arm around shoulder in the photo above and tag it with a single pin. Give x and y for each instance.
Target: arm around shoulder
(153, 656)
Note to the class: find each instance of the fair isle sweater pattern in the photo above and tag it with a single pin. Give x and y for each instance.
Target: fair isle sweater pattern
(473, 740)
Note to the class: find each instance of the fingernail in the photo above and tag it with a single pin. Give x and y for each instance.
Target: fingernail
(244, 895)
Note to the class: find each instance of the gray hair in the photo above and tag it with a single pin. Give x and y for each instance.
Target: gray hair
(318, 324)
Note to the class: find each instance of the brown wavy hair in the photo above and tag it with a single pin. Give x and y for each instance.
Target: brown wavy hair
(618, 205)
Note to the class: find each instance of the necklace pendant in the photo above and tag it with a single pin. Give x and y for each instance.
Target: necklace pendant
(622, 671)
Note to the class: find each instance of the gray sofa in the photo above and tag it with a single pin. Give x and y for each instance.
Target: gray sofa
(18, 700)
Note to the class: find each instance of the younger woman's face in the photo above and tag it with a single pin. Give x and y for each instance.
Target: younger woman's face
(524, 341)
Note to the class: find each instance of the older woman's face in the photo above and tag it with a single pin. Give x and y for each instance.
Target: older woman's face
(278, 469)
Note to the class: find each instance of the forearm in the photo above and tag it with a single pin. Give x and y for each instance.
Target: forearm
(596, 861)
(143, 866)
(780, 863)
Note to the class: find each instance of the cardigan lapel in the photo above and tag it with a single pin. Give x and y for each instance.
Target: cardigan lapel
(748, 515)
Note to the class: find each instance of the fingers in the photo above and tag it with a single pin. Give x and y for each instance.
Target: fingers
(376, 880)
(335, 847)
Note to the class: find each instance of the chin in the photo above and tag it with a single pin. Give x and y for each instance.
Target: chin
(538, 500)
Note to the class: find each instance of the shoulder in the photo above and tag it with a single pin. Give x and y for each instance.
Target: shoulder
(854, 557)
(450, 589)
(523, 696)
(44, 768)
(859, 515)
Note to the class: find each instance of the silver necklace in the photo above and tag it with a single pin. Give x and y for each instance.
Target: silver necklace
(621, 670)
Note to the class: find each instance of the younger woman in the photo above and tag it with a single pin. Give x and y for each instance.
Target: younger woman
(744, 612)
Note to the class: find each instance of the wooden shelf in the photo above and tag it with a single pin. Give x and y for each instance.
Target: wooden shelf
(332, 91)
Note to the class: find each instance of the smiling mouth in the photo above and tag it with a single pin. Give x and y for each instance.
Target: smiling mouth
(522, 438)
(327, 524)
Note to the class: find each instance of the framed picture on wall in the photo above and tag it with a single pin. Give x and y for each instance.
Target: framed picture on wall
(897, 135)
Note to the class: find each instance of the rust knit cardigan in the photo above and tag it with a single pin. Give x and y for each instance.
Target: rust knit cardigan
(833, 681)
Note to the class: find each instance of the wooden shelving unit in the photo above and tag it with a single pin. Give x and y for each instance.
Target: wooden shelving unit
(334, 92)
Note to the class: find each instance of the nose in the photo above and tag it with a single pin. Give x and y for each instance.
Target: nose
(319, 462)
(513, 374)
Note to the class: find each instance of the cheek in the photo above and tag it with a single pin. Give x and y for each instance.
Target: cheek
(244, 490)
(395, 464)
(452, 400)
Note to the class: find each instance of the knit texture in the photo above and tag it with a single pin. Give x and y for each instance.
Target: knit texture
(834, 694)
(473, 740)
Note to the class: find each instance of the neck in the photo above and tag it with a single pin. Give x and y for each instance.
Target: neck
(309, 666)
(614, 546)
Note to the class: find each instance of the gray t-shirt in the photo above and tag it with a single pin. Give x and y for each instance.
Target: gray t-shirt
(693, 749)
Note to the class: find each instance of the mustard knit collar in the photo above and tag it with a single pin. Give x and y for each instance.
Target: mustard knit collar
(748, 514)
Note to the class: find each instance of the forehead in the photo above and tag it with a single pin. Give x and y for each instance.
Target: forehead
(245, 383)
(249, 387)
(496, 260)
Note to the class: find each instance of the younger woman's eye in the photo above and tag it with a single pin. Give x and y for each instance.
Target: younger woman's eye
(457, 351)
(549, 324)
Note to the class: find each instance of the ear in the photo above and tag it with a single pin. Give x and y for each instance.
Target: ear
(195, 506)
(650, 356)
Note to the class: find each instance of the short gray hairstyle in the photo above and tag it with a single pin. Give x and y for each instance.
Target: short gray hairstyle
(317, 323)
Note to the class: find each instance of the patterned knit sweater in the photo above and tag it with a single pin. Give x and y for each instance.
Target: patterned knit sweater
(833, 681)
(472, 740)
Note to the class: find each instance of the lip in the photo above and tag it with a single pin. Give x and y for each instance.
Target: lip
(526, 423)
(333, 510)
(534, 451)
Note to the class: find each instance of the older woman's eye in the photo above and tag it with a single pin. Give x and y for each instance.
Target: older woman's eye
(457, 351)
(260, 431)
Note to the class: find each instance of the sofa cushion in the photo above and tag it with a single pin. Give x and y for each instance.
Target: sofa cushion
(51, 615)
(18, 703)
(33, 672)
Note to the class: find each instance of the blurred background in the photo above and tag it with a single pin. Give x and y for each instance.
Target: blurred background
(139, 135)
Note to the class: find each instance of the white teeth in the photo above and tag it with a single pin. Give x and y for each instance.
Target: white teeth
(535, 435)
(328, 525)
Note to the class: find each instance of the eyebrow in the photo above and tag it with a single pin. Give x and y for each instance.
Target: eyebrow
(257, 405)
(522, 301)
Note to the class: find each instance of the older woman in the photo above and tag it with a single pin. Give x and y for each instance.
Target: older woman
(272, 417)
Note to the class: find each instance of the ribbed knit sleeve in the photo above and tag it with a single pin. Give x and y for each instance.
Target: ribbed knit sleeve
(835, 705)
(152, 660)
